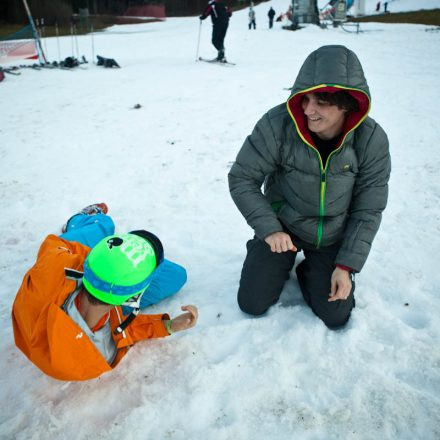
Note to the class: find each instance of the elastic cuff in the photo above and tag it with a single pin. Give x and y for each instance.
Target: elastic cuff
(167, 324)
(348, 269)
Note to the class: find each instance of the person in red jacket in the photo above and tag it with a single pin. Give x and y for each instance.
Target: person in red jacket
(220, 15)
(77, 311)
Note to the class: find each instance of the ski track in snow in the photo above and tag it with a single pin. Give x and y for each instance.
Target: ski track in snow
(69, 138)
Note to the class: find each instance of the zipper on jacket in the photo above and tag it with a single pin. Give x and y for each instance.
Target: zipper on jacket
(322, 190)
(322, 171)
(321, 207)
(322, 194)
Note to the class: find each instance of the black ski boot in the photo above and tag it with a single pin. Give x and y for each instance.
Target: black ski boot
(221, 56)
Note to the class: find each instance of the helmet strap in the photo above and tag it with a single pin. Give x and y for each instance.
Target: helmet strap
(127, 321)
(134, 302)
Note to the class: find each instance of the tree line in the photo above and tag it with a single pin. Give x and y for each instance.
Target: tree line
(13, 12)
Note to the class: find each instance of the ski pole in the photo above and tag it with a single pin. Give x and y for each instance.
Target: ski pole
(58, 41)
(76, 40)
(93, 43)
(40, 33)
(43, 36)
(198, 41)
(71, 35)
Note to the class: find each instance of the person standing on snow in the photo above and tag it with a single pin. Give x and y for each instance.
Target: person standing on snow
(271, 15)
(68, 315)
(220, 15)
(325, 166)
(252, 18)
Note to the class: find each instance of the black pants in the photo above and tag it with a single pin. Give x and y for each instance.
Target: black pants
(265, 272)
(270, 23)
(218, 35)
(252, 23)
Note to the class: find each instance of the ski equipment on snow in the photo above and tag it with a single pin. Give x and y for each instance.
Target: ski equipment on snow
(11, 70)
(106, 62)
(198, 40)
(216, 61)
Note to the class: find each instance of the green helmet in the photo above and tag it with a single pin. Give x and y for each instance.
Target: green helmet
(119, 267)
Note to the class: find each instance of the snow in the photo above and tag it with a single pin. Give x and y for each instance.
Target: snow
(69, 138)
(402, 5)
(394, 5)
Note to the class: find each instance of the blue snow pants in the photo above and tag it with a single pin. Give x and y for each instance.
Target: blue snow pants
(168, 278)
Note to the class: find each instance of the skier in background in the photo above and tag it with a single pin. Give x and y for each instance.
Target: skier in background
(289, 13)
(68, 315)
(252, 18)
(220, 15)
(271, 15)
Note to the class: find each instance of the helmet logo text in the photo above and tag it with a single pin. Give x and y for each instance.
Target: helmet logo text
(136, 250)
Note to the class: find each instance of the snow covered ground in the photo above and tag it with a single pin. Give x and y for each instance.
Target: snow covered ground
(401, 5)
(68, 138)
(394, 5)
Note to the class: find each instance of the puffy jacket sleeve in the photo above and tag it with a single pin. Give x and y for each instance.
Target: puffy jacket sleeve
(258, 157)
(148, 327)
(370, 196)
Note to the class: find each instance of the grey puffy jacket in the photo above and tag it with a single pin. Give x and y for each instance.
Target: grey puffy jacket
(320, 203)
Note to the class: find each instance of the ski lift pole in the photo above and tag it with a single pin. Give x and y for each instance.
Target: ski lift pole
(198, 41)
(40, 50)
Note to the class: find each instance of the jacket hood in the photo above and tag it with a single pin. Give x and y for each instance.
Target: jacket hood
(330, 69)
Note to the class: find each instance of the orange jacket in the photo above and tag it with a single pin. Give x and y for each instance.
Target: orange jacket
(48, 336)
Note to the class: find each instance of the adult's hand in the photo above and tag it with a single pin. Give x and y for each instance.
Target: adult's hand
(340, 285)
(185, 320)
(280, 242)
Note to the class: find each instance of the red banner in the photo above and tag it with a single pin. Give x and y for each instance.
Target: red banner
(18, 49)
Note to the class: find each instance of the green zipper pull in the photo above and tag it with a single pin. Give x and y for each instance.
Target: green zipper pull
(321, 210)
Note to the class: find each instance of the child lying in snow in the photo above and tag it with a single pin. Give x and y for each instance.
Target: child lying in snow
(68, 315)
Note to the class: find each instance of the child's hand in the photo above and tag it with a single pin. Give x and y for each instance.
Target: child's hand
(185, 320)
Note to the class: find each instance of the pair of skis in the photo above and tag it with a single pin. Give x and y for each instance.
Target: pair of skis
(67, 64)
(16, 70)
(216, 61)
(11, 70)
